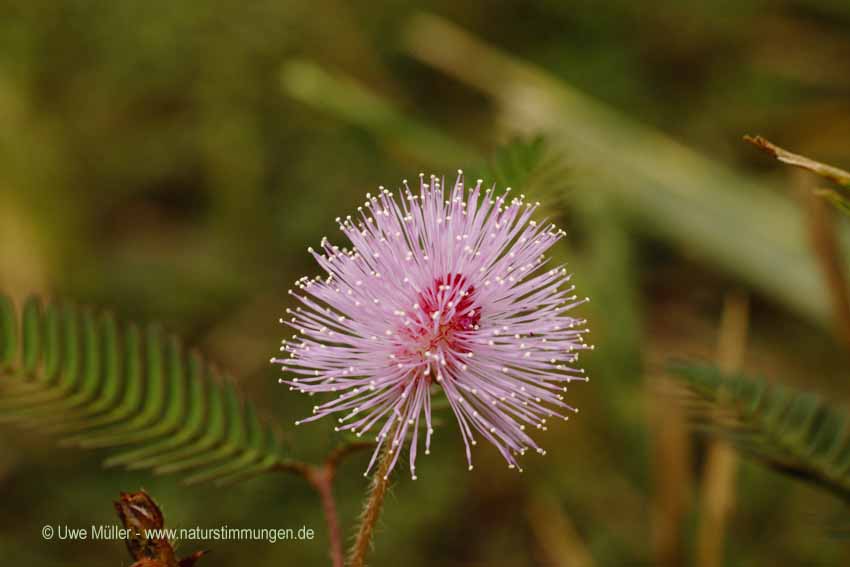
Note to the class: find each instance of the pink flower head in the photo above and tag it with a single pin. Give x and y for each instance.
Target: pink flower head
(444, 291)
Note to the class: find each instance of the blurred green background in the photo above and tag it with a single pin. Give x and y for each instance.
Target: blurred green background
(173, 160)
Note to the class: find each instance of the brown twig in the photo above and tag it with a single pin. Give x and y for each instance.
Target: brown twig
(718, 486)
(830, 172)
(372, 511)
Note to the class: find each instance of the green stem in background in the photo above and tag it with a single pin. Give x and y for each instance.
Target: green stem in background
(372, 511)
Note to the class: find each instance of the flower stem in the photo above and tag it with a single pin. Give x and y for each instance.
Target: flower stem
(372, 511)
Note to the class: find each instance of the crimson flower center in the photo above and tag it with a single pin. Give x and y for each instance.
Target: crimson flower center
(445, 315)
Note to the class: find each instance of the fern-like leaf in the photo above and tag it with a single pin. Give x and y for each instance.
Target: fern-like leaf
(792, 431)
(77, 374)
(531, 165)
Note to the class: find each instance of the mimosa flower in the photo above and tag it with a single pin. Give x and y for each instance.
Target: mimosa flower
(444, 292)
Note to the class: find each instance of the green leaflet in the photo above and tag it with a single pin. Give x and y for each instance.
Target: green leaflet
(77, 374)
(793, 431)
(530, 166)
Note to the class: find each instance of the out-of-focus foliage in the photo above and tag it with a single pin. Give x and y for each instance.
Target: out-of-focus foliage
(175, 159)
(531, 166)
(793, 431)
(74, 373)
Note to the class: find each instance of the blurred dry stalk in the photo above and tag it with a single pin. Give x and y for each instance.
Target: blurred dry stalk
(823, 236)
(559, 542)
(672, 466)
(22, 271)
(673, 463)
(718, 485)
(22, 266)
(821, 225)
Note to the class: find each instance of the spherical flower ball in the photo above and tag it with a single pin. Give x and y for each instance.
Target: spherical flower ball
(443, 292)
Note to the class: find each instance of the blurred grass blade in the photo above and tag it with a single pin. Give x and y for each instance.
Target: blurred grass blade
(666, 189)
(344, 97)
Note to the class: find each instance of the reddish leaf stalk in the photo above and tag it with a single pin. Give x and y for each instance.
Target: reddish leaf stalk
(321, 478)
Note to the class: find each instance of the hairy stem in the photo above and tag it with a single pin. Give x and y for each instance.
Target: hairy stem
(372, 511)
